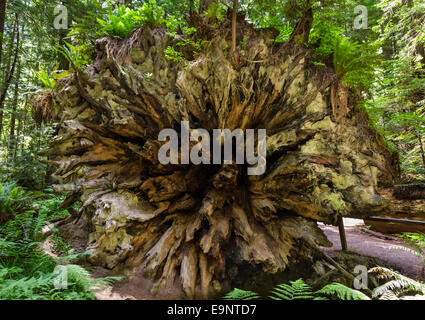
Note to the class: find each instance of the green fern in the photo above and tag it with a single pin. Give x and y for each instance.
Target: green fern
(296, 290)
(239, 294)
(416, 241)
(398, 283)
(12, 199)
(342, 292)
(122, 21)
(299, 290)
(26, 272)
(355, 64)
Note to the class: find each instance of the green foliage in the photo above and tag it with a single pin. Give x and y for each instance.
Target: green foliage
(416, 242)
(295, 290)
(49, 80)
(13, 199)
(299, 290)
(26, 272)
(173, 55)
(25, 167)
(76, 55)
(271, 14)
(122, 21)
(216, 10)
(44, 77)
(323, 37)
(354, 63)
(342, 292)
(397, 285)
(238, 294)
(188, 44)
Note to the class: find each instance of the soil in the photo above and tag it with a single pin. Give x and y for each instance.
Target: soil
(381, 246)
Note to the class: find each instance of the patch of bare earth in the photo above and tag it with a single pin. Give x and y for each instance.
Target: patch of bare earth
(374, 244)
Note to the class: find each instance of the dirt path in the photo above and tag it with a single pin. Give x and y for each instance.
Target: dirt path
(373, 244)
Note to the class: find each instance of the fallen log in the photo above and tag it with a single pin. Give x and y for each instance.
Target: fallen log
(190, 226)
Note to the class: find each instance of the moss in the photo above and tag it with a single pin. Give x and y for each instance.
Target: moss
(336, 201)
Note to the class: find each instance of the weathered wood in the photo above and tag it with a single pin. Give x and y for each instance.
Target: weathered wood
(191, 227)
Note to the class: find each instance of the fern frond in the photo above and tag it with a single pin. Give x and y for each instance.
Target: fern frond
(384, 273)
(297, 290)
(416, 297)
(398, 286)
(78, 277)
(342, 292)
(239, 294)
(410, 250)
(399, 283)
(389, 295)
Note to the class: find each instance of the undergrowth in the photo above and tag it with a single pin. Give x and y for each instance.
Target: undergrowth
(28, 273)
(299, 290)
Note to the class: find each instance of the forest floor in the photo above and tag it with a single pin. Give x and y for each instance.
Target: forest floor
(375, 244)
(359, 240)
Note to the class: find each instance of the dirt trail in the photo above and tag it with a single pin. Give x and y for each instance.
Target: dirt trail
(373, 244)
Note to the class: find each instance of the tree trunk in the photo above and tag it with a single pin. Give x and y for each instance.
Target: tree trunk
(421, 147)
(193, 228)
(2, 22)
(10, 70)
(12, 137)
(22, 128)
(234, 24)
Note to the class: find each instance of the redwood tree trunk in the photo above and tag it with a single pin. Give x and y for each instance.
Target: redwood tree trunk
(192, 228)
(2, 22)
(8, 75)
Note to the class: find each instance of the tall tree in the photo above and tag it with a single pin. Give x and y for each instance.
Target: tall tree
(12, 137)
(10, 69)
(2, 22)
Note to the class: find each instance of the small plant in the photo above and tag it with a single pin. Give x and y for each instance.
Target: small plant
(60, 245)
(397, 286)
(187, 43)
(294, 291)
(76, 55)
(238, 294)
(342, 292)
(417, 245)
(26, 272)
(355, 64)
(173, 55)
(13, 199)
(121, 21)
(299, 290)
(49, 79)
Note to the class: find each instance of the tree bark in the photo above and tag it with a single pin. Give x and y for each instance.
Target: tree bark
(193, 228)
(10, 72)
(234, 23)
(3, 4)
(22, 130)
(12, 137)
(421, 147)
